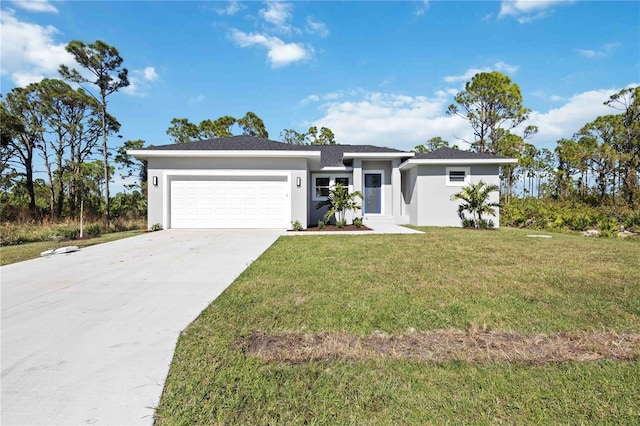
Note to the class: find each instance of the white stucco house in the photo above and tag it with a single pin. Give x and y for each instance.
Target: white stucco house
(249, 182)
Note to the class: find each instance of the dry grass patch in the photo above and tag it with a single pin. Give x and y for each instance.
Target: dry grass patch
(473, 345)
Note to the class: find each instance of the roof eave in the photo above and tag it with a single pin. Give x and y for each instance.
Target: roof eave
(144, 154)
(413, 162)
(377, 154)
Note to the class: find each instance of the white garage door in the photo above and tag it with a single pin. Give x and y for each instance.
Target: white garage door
(229, 202)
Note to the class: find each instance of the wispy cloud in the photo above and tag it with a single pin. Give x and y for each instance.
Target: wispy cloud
(196, 99)
(35, 6)
(422, 8)
(29, 52)
(319, 28)
(526, 11)
(140, 81)
(604, 51)
(400, 121)
(231, 8)
(279, 53)
(467, 75)
(278, 13)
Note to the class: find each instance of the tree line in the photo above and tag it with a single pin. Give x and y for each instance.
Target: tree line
(65, 124)
(66, 128)
(600, 163)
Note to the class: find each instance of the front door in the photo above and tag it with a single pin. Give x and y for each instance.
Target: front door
(372, 193)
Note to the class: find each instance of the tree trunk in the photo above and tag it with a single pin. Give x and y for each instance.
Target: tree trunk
(105, 154)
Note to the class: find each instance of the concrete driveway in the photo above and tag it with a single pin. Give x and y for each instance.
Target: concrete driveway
(87, 337)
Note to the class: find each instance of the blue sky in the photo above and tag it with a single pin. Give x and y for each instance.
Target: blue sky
(374, 72)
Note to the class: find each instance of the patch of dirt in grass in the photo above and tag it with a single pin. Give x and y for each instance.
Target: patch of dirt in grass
(474, 346)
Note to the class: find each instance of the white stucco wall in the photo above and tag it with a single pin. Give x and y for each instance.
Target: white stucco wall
(166, 169)
(429, 199)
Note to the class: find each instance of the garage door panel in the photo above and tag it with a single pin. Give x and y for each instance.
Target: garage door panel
(259, 202)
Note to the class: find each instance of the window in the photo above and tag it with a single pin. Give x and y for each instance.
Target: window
(322, 187)
(323, 184)
(457, 176)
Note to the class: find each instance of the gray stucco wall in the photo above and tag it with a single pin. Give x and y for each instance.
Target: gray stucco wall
(166, 169)
(430, 198)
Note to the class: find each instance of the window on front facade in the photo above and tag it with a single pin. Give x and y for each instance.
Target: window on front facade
(457, 176)
(323, 185)
(344, 181)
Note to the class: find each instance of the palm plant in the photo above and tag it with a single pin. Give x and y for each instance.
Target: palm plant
(475, 200)
(339, 201)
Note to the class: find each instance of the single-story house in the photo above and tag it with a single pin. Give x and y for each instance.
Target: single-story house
(249, 182)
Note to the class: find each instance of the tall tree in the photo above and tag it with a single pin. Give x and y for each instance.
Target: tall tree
(293, 137)
(491, 101)
(22, 105)
(430, 145)
(627, 101)
(253, 125)
(132, 167)
(182, 130)
(104, 63)
(324, 136)
(598, 139)
(10, 128)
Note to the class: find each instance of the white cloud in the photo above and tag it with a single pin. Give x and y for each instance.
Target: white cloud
(150, 74)
(389, 119)
(278, 13)
(604, 51)
(279, 53)
(402, 122)
(526, 11)
(319, 28)
(232, 8)
(36, 5)
(196, 99)
(422, 8)
(139, 81)
(564, 121)
(467, 75)
(29, 52)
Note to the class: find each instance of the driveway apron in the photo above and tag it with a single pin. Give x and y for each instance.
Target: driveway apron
(88, 337)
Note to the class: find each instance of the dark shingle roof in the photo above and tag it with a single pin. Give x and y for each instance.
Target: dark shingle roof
(446, 153)
(332, 155)
(242, 142)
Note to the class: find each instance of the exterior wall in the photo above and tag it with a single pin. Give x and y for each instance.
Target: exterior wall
(410, 195)
(430, 198)
(165, 169)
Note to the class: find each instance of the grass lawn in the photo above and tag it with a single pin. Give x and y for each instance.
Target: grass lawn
(394, 286)
(32, 250)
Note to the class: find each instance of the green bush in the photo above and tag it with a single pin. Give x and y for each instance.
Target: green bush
(297, 226)
(357, 222)
(94, 230)
(321, 224)
(569, 215)
(156, 227)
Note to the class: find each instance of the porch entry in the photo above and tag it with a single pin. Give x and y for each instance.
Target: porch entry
(373, 193)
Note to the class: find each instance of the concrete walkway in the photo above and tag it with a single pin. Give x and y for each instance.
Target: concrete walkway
(88, 337)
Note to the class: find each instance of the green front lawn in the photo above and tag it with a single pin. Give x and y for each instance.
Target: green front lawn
(395, 285)
(32, 250)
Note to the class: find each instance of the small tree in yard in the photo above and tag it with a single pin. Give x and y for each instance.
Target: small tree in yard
(475, 200)
(340, 201)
